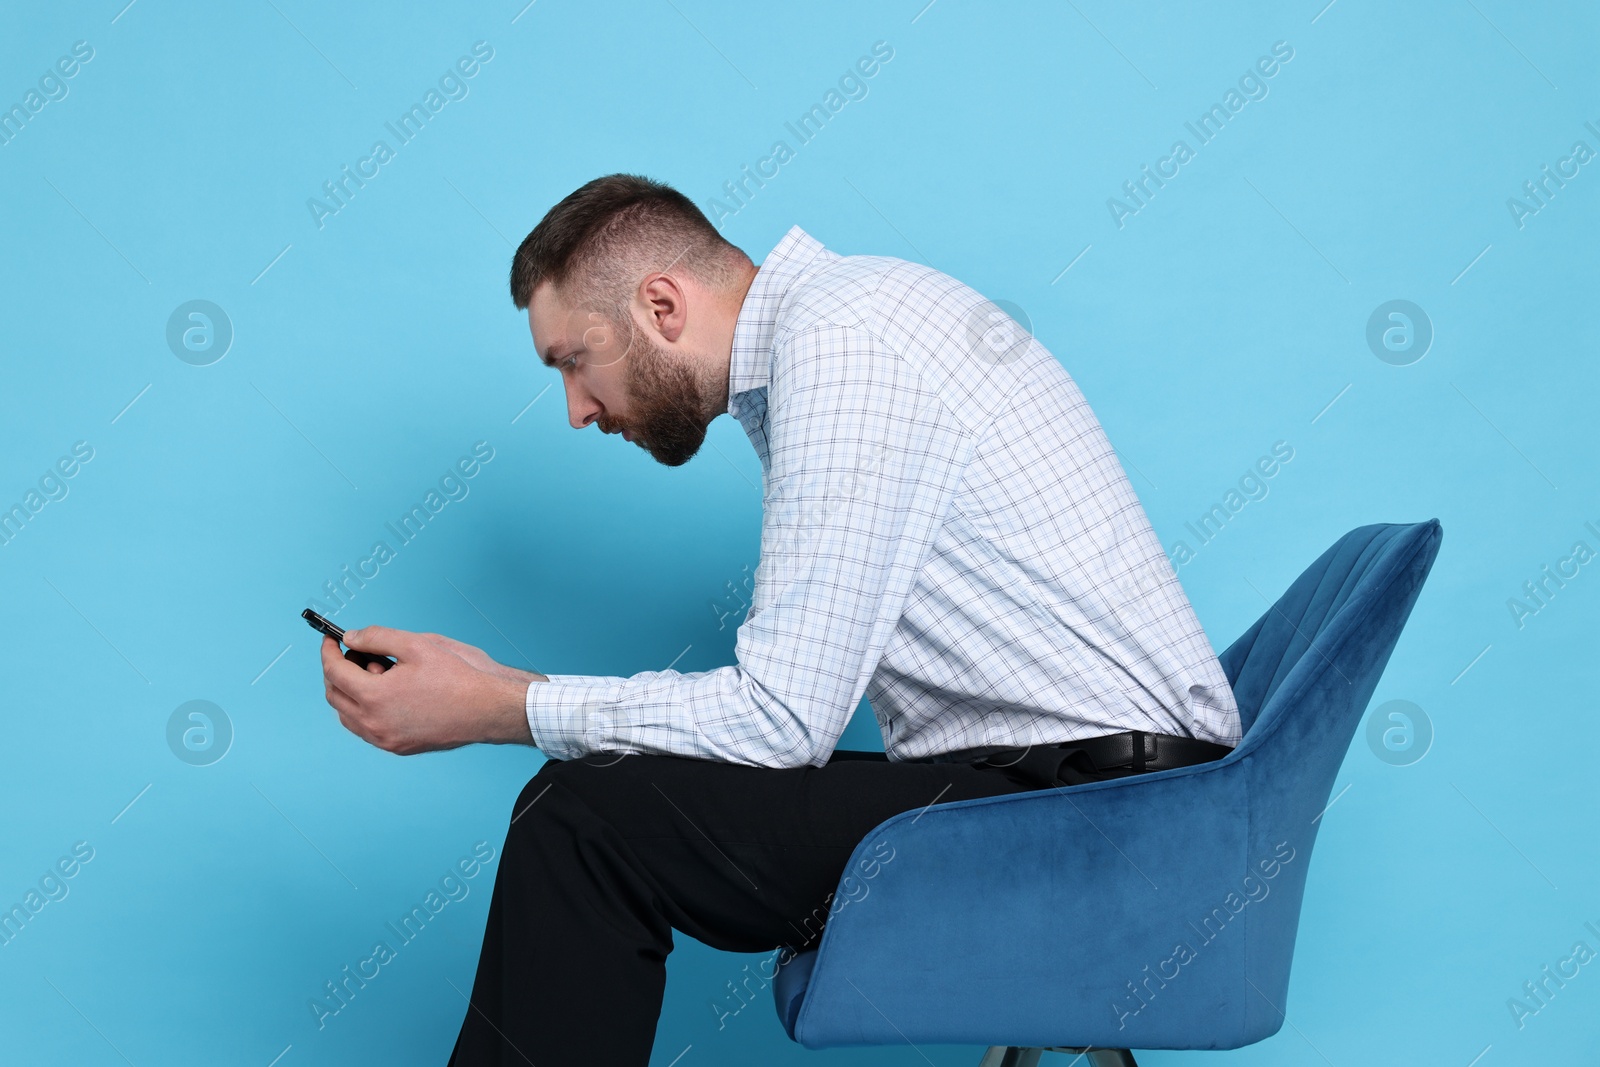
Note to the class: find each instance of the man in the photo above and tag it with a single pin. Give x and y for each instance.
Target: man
(945, 529)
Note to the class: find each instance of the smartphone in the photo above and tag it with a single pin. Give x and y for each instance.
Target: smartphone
(360, 659)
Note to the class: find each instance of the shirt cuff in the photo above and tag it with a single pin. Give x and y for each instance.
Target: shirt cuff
(564, 709)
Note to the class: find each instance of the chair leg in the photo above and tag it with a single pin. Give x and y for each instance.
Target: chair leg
(1000, 1056)
(1103, 1057)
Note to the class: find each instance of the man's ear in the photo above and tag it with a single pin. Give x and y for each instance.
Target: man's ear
(666, 305)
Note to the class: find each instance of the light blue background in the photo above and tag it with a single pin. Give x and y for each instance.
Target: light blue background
(371, 353)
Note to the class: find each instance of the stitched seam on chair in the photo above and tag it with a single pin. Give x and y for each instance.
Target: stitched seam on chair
(1328, 657)
(1337, 598)
(1249, 836)
(1325, 658)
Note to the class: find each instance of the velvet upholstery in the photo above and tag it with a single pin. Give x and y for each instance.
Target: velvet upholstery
(1156, 911)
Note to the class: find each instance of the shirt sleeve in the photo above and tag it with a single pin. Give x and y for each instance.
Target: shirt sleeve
(863, 464)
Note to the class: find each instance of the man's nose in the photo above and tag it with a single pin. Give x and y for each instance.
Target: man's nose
(581, 407)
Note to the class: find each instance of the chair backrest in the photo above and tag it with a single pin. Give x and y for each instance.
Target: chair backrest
(1302, 677)
(1310, 616)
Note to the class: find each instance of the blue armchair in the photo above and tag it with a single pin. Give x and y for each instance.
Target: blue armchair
(1156, 911)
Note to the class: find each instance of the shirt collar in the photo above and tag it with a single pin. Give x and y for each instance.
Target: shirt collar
(750, 365)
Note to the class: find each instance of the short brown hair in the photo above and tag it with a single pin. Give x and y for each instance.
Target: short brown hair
(604, 236)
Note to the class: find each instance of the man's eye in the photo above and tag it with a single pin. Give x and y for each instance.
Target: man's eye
(571, 361)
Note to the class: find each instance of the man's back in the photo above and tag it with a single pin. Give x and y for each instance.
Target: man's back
(911, 432)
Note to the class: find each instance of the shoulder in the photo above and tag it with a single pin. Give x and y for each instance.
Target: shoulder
(891, 322)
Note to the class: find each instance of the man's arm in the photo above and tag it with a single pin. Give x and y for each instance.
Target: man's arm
(864, 462)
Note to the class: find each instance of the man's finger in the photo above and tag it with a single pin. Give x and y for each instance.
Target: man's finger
(338, 670)
(382, 640)
(346, 719)
(339, 700)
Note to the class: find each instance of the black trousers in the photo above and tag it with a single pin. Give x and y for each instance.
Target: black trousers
(607, 855)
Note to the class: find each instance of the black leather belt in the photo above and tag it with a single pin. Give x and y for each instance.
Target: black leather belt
(1095, 759)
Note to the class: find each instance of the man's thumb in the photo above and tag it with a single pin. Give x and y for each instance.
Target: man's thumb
(379, 640)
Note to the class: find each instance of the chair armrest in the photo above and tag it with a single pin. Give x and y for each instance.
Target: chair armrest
(1032, 919)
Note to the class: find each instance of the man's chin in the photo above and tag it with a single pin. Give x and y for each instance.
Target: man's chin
(673, 459)
(672, 455)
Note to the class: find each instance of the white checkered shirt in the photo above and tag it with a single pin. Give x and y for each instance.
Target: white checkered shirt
(945, 529)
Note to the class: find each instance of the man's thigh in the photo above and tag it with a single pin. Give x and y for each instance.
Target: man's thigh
(745, 858)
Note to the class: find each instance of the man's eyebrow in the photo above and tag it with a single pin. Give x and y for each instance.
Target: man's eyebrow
(549, 357)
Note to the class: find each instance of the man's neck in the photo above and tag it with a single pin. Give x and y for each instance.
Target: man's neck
(717, 388)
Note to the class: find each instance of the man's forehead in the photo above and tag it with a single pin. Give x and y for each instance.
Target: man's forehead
(547, 320)
(546, 309)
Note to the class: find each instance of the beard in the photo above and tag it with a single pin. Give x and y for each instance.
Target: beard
(668, 407)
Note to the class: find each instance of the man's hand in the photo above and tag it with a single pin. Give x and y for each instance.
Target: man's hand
(439, 694)
(478, 658)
